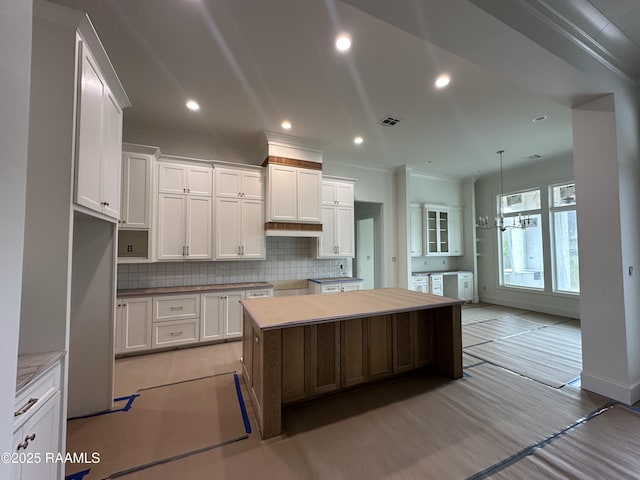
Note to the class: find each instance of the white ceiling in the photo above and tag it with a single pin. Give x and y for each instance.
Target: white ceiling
(251, 64)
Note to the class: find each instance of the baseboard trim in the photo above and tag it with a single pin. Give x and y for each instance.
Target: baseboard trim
(624, 393)
(535, 307)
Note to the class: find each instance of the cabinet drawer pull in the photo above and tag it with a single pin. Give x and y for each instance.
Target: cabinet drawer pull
(177, 308)
(176, 334)
(25, 444)
(25, 408)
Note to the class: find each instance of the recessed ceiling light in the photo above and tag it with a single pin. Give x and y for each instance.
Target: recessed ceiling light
(442, 81)
(539, 118)
(358, 140)
(286, 125)
(193, 105)
(343, 42)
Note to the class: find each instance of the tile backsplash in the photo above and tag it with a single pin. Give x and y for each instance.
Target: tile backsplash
(288, 258)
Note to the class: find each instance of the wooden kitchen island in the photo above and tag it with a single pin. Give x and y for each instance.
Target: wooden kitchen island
(300, 347)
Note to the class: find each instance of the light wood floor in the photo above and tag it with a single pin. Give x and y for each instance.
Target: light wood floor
(413, 427)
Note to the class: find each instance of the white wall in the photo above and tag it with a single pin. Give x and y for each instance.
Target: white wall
(541, 175)
(424, 188)
(15, 58)
(606, 152)
(196, 147)
(374, 185)
(46, 280)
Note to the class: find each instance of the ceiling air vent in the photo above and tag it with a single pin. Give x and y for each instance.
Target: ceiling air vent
(389, 121)
(535, 156)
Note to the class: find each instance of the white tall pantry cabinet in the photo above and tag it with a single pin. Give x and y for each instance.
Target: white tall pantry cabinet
(184, 211)
(338, 236)
(68, 283)
(239, 213)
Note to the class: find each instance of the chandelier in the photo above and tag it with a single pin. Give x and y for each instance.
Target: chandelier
(523, 221)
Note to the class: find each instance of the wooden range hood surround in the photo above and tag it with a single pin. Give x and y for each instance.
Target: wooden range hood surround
(305, 156)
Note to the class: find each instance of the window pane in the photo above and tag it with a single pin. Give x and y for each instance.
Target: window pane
(565, 230)
(564, 195)
(522, 259)
(520, 202)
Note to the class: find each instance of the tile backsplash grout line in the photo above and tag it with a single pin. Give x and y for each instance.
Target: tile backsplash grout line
(287, 258)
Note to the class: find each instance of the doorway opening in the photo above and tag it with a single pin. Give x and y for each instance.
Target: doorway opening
(368, 259)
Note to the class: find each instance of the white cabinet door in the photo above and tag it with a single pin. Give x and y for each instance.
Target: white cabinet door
(228, 182)
(253, 243)
(90, 132)
(172, 178)
(198, 228)
(199, 180)
(233, 314)
(252, 185)
(456, 245)
(351, 286)
(345, 231)
(309, 195)
(436, 230)
(327, 246)
(134, 324)
(171, 226)
(111, 155)
(228, 228)
(39, 434)
(283, 193)
(212, 311)
(135, 210)
(415, 230)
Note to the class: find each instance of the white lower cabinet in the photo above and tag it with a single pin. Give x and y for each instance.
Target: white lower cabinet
(37, 426)
(221, 315)
(328, 288)
(133, 324)
(146, 323)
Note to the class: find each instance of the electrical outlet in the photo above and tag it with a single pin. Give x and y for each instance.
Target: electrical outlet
(484, 288)
(393, 259)
(425, 263)
(129, 248)
(443, 262)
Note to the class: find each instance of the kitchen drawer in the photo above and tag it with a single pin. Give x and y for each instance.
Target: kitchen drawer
(176, 307)
(166, 334)
(33, 396)
(266, 292)
(329, 289)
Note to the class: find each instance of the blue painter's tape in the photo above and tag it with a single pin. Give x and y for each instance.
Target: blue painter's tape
(78, 475)
(243, 410)
(126, 408)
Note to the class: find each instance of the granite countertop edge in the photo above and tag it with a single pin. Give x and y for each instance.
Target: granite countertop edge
(335, 280)
(31, 366)
(143, 292)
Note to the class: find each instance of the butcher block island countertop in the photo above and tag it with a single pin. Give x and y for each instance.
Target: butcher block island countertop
(300, 347)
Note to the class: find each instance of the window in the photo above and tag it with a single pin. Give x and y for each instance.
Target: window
(521, 248)
(564, 238)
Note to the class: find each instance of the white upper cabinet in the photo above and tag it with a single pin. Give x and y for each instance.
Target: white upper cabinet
(235, 183)
(456, 244)
(443, 232)
(99, 140)
(337, 193)
(185, 215)
(183, 178)
(135, 209)
(338, 238)
(436, 228)
(293, 194)
(415, 229)
(239, 213)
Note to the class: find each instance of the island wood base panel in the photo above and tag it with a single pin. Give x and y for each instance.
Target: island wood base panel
(293, 363)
